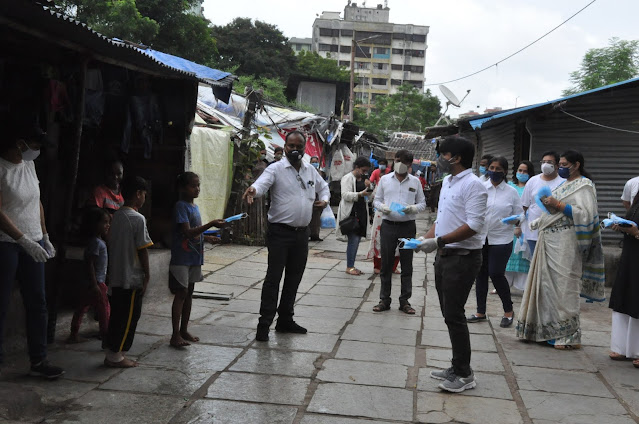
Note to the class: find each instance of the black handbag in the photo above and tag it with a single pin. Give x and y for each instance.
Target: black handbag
(349, 225)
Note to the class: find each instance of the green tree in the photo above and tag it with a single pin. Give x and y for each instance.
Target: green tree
(272, 88)
(407, 110)
(608, 65)
(313, 65)
(258, 49)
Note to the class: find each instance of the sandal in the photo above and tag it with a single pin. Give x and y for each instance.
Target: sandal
(353, 271)
(635, 363)
(407, 309)
(568, 347)
(397, 271)
(381, 307)
(617, 356)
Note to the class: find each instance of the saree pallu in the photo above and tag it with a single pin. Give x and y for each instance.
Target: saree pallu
(567, 263)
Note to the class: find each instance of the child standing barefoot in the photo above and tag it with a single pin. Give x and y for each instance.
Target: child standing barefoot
(187, 256)
(96, 224)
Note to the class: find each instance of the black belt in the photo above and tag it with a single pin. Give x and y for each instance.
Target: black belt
(288, 227)
(386, 221)
(456, 252)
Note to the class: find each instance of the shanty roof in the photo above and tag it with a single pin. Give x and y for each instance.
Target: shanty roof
(418, 145)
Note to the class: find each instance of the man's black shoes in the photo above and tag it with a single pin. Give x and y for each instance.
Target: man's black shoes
(262, 334)
(290, 327)
(315, 239)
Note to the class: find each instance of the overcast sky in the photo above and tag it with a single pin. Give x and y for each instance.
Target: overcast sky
(467, 35)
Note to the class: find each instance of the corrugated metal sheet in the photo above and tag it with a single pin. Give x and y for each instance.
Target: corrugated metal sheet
(612, 157)
(499, 140)
(421, 147)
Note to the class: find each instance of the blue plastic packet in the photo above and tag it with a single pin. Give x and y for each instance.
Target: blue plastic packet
(513, 219)
(236, 217)
(614, 219)
(212, 233)
(542, 194)
(397, 207)
(405, 243)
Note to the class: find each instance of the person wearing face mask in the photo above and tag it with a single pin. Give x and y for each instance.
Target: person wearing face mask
(380, 172)
(568, 262)
(405, 190)
(293, 184)
(278, 152)
(260, 164)
(549, 177)
(483, 167)
(458, 236)
(24, 242)
(355, 189)
(503, 201)
(517, 266)
(316, 221)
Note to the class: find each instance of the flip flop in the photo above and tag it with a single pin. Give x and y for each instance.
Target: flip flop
(124, 363)
(353, 271)
(568, 347)
(635, 363)
(618, 357)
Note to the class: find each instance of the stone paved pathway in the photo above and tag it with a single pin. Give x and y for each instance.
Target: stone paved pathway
(353, 367)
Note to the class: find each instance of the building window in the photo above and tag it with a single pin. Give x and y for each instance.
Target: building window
(325, 47)
(379, 81)
(381, 50)
(328, 32)
(346, 63)
(416, 84)
(396, 67)
(398, 51)
(418, 38)
(344, 49)
(414, 53)
(396, 82)
(414, 68)
(362, 65)
(347, 33)
(362, 80)
(398, 36)
(363, 51)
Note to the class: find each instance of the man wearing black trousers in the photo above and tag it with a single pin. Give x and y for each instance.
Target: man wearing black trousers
(405, 190)
(293, 185)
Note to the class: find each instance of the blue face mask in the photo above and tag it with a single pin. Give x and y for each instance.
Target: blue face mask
(315, 165)
(495, 177)
(564, 172)
(482, 170)
(522, 178)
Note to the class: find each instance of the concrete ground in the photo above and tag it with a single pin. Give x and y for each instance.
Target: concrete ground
(353, 367)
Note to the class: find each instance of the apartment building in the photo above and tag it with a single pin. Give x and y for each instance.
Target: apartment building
(300, 44)
(386, 54)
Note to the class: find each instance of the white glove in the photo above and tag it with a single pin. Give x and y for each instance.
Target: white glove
(427, 245)
(410, 209)
(48, 246)
(384, 209)
(33, 249)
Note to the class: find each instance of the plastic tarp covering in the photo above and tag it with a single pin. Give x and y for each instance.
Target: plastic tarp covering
(211, 153)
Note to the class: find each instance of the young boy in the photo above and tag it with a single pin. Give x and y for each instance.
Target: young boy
(128, 272)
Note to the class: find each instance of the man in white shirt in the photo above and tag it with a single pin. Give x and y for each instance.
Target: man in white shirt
(548, 177)
(483, 167)
(630, 190)
(293, 185)
(457, 235)
(398, 188)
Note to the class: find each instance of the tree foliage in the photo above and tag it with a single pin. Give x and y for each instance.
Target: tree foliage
(407, 110)
(313, 65)
(256, 48)
(608, 65)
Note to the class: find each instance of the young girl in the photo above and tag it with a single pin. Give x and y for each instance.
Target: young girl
(97, 222)
(187, 256)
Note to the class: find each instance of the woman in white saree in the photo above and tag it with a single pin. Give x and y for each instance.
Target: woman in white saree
(568, 260)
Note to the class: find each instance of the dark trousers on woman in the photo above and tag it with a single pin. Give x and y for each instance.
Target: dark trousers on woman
(126, 308)
(495, 259)
(16, 264)
(390, 232)
(287, 249)
(454, 277)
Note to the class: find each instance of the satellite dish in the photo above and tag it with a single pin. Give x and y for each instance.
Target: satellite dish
(452, 100)
(449, 95)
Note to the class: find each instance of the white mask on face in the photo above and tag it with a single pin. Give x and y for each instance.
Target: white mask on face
(30, 154)
(400, 168)
(547, 168)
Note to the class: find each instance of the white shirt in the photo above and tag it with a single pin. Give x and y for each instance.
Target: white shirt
(528, 201)
(462, 200)
(292, 192)
(630, 190)
(20, 191)
(407, 192)
(503, 201)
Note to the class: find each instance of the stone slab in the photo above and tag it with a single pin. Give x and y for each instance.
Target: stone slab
(446, 407)
(479, 361)
(82, 366)
(366, 333)
(340, 282)
(366, 373)
(228, 412)
(195, 359)
(325, 419)
(276, 362)
(240, 305)
(357, 292)
(232, 319)
(488, 385)
(223, 335)
(259, 388)
(321, 312)
(236, 280)
(309, 342)
(375, 352)
(478, 342)
(388, 321)
(330, 301)
(363, 401)
(542, 355)
(157, 380)
(560, 381)
(559, 407)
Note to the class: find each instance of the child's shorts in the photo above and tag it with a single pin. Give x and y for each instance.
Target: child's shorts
(180, 276)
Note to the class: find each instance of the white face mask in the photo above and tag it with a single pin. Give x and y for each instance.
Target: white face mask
(547, 168)
(400, 168)
(30, 154)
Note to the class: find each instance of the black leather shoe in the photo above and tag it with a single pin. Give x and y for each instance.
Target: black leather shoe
(316, 239)
(475, 318)
(290, 327)
(506, 322)
(262, 334)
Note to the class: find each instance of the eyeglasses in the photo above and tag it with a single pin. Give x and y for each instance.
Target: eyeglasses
(301, 182)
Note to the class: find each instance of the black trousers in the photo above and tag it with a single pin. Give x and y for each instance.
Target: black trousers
(390, 232)
(454, 277)
(316, 222)
(494, 261)
(287, 250)
(126, 308)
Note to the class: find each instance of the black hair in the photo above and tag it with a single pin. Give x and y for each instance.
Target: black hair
(131, 185)
(529, 165)
(503, 162)
(551, 153)
(361, 162)
(295, 132)
(185, 178)
(574, 156)
(458, 146)
(488, 157)
(278, 149)
(90, 219)
(404, 155)
(382, 161)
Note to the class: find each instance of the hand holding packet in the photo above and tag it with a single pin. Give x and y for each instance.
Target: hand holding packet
(541, 195)
(412, 243)
(236, 217)
(614, 219)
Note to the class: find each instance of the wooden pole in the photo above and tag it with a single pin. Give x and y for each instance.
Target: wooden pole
(352, 87)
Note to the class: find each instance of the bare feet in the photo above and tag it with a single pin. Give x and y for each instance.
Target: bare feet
(189, 337)
(74, 338)
(124, 363)
(178, 342)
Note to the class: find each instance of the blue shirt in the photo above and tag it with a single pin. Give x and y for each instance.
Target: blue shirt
(97, 247)
(186, 251)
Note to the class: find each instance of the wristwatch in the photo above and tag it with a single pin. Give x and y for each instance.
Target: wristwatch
(440, 243)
